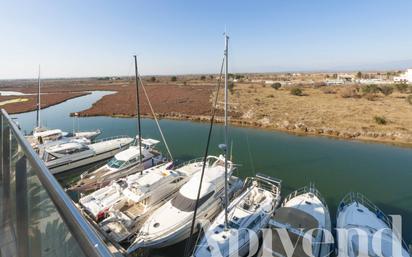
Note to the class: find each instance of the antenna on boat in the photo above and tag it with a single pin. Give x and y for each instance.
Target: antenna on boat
(38, 101)
(138, 110)
(226, 138)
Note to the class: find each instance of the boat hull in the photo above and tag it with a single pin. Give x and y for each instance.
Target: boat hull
(70, 165)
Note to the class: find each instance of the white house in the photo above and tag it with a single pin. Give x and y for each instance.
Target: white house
(405, 77)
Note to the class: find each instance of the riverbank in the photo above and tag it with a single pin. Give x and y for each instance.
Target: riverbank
(344, 112)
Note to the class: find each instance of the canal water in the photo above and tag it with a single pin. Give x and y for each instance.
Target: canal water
(383, 173)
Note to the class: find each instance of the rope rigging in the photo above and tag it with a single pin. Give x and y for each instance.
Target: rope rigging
(212, 119)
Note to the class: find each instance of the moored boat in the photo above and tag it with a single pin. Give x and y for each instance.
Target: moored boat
(250, 211)
(364, 225)
(160, 230)
(304, 218)
(124, 163)
(65, 156)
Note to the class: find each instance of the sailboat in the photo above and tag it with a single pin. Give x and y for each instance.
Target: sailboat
(251, 210)
(139, 156)
(362, 220)
(42, 135)
(198, 201)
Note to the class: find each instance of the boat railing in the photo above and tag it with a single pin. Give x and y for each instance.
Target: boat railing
(265, 182)
(304, 190)
(355, 197)
(110, 138)
(199, 159)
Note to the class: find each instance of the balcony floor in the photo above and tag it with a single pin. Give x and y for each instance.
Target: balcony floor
(7, 237)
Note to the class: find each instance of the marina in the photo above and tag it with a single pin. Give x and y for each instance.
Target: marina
(206, 129)
(334, 166)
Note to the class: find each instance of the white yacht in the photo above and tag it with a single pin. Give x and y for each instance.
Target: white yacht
(97, 204)
(301, 211)
(356, 212)
(42, 136)
(124, 163)
(144, 194)
(65, 156)
(160, 230)
(251, 210)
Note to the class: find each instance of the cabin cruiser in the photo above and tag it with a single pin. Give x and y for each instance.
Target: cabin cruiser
(144, 195)
(121, 165)
(42, 136)
(72, 154)
(362, 220)
(250, 211)
(97, 204)
(302, 211)
(160, 230)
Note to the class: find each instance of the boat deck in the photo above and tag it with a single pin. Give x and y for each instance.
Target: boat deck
(133, 211)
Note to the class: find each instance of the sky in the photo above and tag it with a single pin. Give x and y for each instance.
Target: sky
(98, 38)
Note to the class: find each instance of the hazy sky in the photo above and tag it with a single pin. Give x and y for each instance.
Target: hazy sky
(92, 38)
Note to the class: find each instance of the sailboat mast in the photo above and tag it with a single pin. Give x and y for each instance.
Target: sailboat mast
(38, 101)
(139, 132)
(226, 136)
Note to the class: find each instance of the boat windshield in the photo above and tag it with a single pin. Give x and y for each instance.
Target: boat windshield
(115, 163)
(188, 205)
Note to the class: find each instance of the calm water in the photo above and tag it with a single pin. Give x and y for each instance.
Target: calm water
(382, 172)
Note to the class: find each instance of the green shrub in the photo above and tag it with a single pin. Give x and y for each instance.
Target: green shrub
(401, 87)
(276, 85)
(174, 78)
(296, 91)
(386, 90)
(380, 120)
(153, 79)
(370, 89)
(203, 77)
(231, 86)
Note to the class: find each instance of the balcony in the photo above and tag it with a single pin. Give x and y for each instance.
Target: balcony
(37, 218)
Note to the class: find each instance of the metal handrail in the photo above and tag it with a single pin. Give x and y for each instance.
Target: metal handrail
(90, 243)
(307, 189)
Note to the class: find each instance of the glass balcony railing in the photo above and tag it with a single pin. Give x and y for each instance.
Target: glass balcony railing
(37, 218)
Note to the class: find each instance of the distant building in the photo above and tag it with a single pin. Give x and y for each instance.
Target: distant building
(405, 77)
(372, 81)
(335, 82)
(346, 77)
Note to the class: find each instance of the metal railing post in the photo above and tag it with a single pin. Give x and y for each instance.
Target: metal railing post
(22, 213)
(5, 161)
(1, 149)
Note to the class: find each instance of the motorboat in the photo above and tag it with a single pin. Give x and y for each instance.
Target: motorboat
(360, 223)
(250, 211)
(72, 154)
(42, 136)
(142, 196)
(97, 204)
(303, 217)
(160, 230)
(124, 163)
